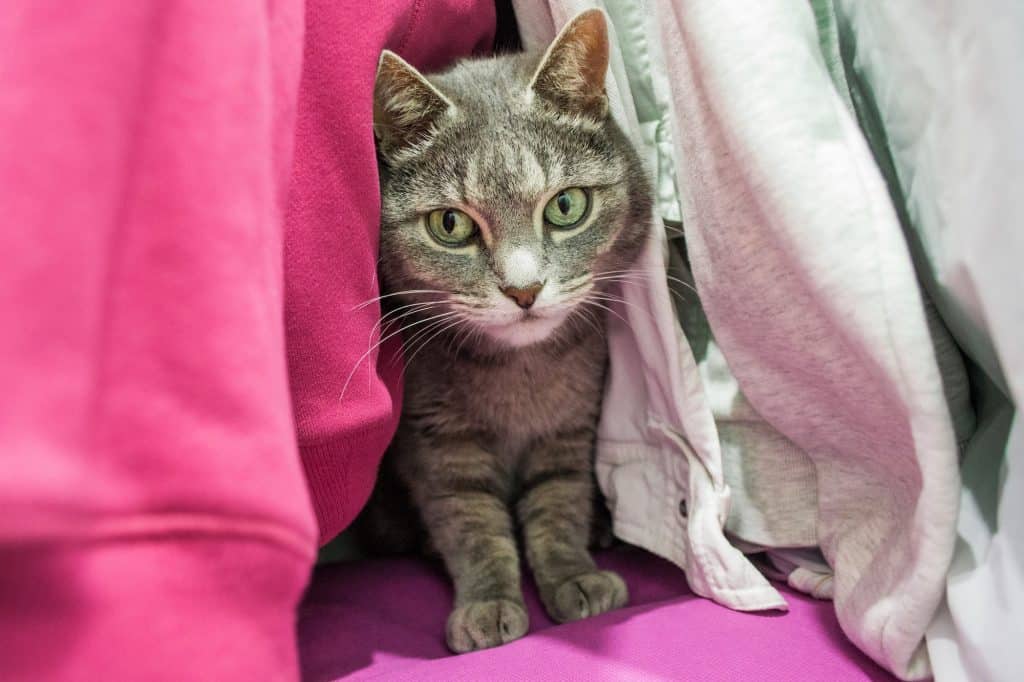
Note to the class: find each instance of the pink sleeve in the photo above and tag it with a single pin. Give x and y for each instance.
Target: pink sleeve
(156, 522)
(331, 236)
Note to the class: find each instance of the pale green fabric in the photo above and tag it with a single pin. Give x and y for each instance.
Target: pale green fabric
(837, 52)
(886, 62)
(648, 89)
(935, 89)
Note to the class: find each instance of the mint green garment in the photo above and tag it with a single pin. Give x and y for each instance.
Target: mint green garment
(837, 51)
(936, 92)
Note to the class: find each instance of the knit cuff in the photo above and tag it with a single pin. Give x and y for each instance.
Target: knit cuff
(341, 474)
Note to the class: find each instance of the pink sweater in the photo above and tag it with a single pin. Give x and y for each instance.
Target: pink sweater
(331, 236)
(189, 202)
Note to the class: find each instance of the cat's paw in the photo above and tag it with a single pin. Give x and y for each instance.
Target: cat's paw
(483, 624)
(586, 595)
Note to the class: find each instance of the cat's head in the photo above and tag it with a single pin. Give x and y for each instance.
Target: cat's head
(511, 199)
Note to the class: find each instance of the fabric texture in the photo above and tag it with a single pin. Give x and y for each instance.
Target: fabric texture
(345, 390)
(929, 85)
(782, 197)
(358, 622)
(157, 521)
(189, 263)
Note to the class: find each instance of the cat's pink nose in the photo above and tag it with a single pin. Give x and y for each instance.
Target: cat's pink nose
(523, 296)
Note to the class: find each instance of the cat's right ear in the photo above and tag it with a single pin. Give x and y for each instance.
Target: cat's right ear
(571, 74)
(406, 107)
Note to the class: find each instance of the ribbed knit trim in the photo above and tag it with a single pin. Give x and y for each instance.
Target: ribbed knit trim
(341, 474)
(162, 526)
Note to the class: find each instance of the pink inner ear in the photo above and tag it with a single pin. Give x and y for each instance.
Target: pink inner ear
(572, 76)
(591, 37)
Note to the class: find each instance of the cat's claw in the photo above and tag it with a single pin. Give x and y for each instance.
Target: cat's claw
(586, 595)
(484, 624)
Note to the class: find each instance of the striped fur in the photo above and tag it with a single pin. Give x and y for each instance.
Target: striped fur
(497, 433)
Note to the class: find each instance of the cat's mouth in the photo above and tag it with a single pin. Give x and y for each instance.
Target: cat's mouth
(525, 327)
(525, 316)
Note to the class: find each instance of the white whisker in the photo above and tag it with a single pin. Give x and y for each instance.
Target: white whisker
(370, 301)
(635, 277)
(615, 299)
(384, 322)
(425, 343)
(378, 344)
(650, 275)
(420, 333)
(474, 333)
(592, 302)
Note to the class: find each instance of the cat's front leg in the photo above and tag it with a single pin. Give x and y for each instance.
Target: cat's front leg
(554, 510)
(462, 500)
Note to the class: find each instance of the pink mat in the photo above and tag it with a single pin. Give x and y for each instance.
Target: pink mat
(383, 619)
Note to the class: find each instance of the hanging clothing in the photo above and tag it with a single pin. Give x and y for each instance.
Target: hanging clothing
(930, 86)
(809, 399)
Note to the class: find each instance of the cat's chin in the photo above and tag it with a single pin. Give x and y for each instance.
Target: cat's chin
(526, 331)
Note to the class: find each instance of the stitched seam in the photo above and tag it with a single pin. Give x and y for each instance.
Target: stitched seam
(161, 526)
(413, 22)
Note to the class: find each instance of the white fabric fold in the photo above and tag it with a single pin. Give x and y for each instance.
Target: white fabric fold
(941, 79)
(806, 280)
(821, 372)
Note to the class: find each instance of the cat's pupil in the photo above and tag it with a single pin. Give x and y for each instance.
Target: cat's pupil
(448, 221)
(564, 203)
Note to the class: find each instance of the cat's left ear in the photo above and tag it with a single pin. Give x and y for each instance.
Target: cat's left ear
(406, 107)
(571, 74)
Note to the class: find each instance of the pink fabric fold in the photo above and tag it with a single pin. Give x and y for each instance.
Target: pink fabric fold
(156, 522)
(157, 518)
(344, 388)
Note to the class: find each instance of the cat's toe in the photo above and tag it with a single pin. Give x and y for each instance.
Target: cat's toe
(483, 624)
(586, 595)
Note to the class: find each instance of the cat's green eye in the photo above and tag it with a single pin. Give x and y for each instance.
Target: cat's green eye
(450, 226)
(567, 208)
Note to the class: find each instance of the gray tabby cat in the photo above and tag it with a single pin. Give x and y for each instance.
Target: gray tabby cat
(511, 202)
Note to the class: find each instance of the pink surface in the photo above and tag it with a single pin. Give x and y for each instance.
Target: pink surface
(143, 148)
(384, 619)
